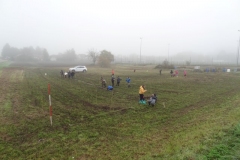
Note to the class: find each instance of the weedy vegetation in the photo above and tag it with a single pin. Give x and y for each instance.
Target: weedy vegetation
(196, 117)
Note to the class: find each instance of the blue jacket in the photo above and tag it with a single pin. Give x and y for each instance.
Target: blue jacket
(109, 88)
(128, 80)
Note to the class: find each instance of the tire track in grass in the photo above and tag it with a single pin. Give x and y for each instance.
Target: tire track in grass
(9, 97)
(4, 98)
(4, 83)
(202, 103)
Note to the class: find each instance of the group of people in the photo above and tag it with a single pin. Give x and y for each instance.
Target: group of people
(110, 87)
(151, 101)
(113, 80)
(69, 74)
(175, 74)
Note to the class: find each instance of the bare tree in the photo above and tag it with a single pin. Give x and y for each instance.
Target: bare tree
(93, 55)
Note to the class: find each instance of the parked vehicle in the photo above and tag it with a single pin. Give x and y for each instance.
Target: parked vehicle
(78, 69)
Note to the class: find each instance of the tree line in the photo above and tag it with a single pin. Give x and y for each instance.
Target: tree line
(30, 54)
(102, 58)
(25, 54)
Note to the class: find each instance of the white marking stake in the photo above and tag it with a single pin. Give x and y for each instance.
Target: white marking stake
(163, 104)
(50, 103)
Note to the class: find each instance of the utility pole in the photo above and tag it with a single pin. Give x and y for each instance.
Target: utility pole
(238, 50)
(168, 52)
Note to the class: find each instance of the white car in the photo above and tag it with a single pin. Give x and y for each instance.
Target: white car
(78, 69)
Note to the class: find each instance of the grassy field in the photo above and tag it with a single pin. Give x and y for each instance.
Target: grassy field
(196, 117)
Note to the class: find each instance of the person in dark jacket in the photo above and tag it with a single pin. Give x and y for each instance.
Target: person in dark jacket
(72, 74)
(69, 74)
(113, 79)
(118, 80)
(171, 72)
(61, 73)
(153, 99)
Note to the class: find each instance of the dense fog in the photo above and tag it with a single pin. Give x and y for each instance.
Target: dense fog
(137, 31)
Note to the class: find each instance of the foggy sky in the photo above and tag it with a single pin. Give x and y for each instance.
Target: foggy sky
(197, 26)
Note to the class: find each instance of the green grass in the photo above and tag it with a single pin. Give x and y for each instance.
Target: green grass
(200, 119)
(227, 147)
(4, 64)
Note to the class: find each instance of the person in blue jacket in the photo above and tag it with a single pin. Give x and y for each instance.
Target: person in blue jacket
(110, 88)
(128, 80)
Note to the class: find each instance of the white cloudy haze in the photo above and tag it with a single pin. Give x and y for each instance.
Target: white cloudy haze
(197, 26)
